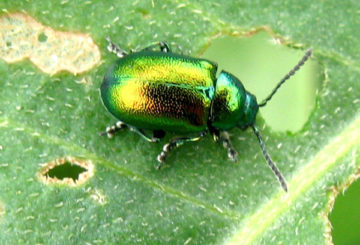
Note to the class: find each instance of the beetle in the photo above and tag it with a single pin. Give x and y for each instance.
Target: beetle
(161, 91)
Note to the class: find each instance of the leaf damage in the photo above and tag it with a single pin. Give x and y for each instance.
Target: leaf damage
(318, 166)
(334, 192)
(76, 171)
(51, 51)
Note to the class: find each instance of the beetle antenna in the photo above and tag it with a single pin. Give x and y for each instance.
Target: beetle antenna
(287, 76)
(269, 161)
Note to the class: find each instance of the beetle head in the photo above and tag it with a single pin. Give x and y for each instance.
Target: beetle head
(250, 109)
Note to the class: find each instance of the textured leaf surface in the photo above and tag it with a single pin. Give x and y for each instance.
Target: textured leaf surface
(202, 198)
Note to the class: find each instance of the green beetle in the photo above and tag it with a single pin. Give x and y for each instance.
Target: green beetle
(161, 91)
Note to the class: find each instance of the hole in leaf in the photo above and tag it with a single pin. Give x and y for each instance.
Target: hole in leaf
(260, 63)
(68, 170)
(42, 37)
(58, 55)
(345, 216)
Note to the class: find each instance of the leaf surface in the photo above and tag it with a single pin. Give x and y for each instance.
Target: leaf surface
(202, 198)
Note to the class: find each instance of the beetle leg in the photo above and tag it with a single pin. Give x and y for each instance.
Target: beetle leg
(174, 143)
(110, 131)
(164, 47)
(119, 125)
(144, 135)
(224, 139)
(113, 48)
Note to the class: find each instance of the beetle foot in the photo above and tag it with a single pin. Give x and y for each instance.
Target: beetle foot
(175, 143)
(232, 154)
(161, 159)
(111, 130)
(225, 140)
(159, 166)
(113, 48)
(163, 154)
(108, 132)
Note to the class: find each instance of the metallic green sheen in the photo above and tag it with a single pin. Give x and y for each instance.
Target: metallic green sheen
(232, 104)
(251, 109)
(160, 91)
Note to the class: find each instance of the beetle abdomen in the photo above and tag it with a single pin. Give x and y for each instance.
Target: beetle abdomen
(154, 90)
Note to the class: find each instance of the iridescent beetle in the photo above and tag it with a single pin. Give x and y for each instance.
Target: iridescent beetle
(161, 91)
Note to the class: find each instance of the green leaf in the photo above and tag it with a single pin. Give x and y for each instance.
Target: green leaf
(201, 198)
